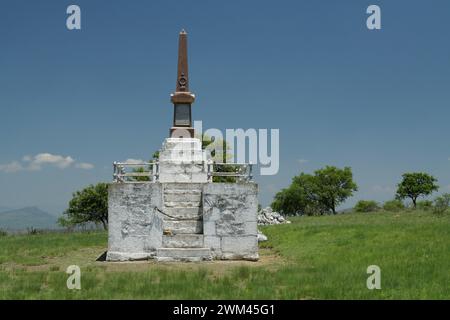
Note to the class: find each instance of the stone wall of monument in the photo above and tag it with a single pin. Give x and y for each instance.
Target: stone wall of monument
(135, 227)
(230, 220)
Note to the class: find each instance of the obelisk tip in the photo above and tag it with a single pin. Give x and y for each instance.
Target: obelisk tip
(183, 31)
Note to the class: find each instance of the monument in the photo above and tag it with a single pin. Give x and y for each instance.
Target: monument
(177, 212)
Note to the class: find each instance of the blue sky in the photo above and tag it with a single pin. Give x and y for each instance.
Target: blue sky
(342, 95)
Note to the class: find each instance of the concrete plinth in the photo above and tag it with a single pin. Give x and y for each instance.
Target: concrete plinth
(182, 160)
(200, 220)
(135, 227)
(229, 220)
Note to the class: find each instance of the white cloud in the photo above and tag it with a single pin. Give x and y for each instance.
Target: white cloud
(84, 165)
(41, 159)
(37, 162)
(135, 161)
(11, 167)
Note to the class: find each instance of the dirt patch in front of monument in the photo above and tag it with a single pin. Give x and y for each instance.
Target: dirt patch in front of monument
(85, 258)
(268, 260)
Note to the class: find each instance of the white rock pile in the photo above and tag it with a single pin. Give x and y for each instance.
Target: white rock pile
(261, 237)
(267, 217)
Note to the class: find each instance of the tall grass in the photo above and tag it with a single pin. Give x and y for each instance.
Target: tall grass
(320, 258)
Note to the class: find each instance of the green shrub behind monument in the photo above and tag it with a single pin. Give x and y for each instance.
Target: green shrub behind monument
(366, 206)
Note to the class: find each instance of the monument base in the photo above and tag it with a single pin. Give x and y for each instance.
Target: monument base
(230, 220)
(192, 222)
(135, 228)
(114, 256)
(182, 160)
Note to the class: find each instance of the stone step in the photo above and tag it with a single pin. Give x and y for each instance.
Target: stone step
(185, 143)
(183, 226)
(183, 197)
(183, 191)
(184, 204)
(183, 254)
(186, 156)
(184, 187)
(183, 241)
(193, 213)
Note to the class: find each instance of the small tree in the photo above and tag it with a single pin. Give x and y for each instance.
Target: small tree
(393, 205)
(441, 203)
(316, 194)
(299, 198)
(416, 184)
(334, 186)
(87, 205)
(366, 206)
(425, 205)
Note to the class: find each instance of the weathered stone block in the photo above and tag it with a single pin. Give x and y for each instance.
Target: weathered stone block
(199, 177)
(183, 254)
(125, 256)
(230, 228)
(253, 256)
(230, 201)
(251, 228)
(174, 196)
(209, 228)
(183, 226)
(229, 213)
(182, 160)
(135, 227)
(183, 213)
(212, 242)
(245, 247)
(183, 241)
(185, 204)
(183, 187)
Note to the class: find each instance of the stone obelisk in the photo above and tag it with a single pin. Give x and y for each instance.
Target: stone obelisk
(181, 158)
(182, 98)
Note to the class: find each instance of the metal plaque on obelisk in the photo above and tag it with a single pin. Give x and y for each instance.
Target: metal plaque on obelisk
(182, 98)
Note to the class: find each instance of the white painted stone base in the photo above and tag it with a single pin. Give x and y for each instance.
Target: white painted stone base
(135, 228)
(221, 221)
(129, 256)
(235, 256)
(182, 160)
(183, 254)
(229, 220)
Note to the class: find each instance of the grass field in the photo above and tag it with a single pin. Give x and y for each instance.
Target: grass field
(312, 258)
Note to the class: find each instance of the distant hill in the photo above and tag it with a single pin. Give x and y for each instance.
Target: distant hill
(2, 208)
(21, 219)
